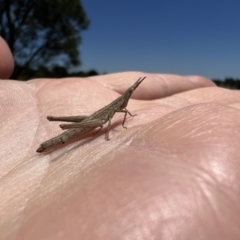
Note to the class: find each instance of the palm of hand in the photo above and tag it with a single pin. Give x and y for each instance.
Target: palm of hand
(176, 163)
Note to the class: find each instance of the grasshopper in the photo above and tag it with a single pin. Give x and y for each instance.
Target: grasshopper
(83, 124)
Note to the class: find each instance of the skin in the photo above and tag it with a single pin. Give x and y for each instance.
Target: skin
(173, 174)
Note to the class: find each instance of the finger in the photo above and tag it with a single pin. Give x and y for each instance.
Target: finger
(211, 94)
(155, 85)
(6, 60)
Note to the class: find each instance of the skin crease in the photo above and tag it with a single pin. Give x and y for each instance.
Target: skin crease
(173, 174)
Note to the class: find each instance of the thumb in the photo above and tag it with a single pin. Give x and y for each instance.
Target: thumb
(6, 60)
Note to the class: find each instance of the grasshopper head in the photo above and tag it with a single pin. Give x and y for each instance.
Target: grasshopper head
(129, 92)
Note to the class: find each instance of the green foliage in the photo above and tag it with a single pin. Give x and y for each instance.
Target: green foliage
(228, 83)
(55, 72)
(42, 33)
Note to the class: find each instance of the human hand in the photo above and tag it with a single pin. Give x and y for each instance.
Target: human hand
(173, 174)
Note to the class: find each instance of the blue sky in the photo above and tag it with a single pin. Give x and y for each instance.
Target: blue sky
(176, 36)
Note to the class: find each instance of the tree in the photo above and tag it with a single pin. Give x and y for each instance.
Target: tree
(42, 33)
(228, 82)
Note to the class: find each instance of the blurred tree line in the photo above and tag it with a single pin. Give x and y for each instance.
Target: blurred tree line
(44, 36)
(228, 83)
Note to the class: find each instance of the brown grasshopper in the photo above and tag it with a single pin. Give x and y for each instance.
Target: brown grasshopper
(83, 124)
